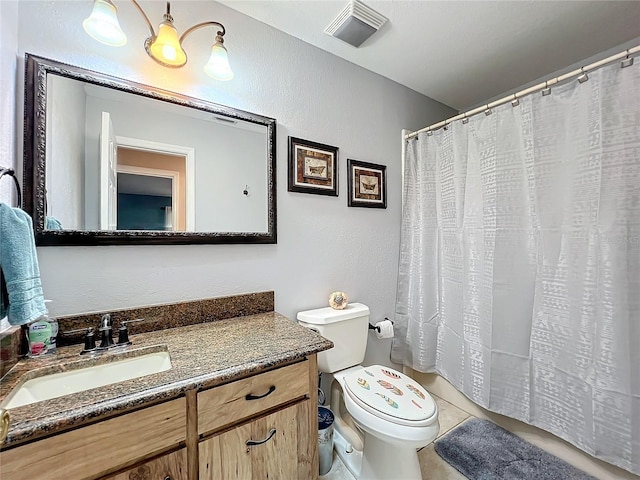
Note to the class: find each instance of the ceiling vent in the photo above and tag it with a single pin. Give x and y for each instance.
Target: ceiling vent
(355, 23)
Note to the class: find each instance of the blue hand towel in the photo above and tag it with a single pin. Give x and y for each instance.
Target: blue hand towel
(52, 223)
(19, 264)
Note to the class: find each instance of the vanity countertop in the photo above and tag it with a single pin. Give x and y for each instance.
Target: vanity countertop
(202, 356)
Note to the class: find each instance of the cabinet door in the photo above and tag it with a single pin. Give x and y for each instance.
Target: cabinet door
(272, 446)
(172, 466)
(92, 451)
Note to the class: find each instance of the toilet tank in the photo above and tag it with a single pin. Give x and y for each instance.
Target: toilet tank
(346, 328)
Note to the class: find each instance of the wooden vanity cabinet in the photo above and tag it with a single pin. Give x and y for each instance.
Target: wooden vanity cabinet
(261, 426)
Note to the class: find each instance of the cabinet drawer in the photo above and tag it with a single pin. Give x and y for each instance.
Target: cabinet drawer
(231, 403)
(91, 451)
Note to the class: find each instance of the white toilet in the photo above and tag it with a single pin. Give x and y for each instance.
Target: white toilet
(381, 416)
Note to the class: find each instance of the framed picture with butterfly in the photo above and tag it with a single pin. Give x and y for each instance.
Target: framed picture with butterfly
(313, 167)
(367, 184)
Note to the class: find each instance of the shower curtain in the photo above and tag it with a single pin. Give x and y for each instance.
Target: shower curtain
(519, 272)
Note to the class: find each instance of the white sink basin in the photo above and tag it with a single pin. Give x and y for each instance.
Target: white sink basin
(65, 383)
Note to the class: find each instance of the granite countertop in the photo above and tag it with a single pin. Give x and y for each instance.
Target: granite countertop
(202, 356)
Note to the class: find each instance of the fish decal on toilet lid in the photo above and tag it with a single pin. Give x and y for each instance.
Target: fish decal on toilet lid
(369, 373)
(390, 386)
(416, 391)
(363, 383)
(389, 401)
(390, 374)
(416, 404)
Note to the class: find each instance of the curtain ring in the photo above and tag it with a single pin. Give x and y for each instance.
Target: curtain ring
(429, 133)
(546, 90)
(465, 119)
(627, 62)
(584, 77)
(515, 102)
(488, 111)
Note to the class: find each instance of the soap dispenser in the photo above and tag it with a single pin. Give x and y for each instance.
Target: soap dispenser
(42, 335)
(53, 340)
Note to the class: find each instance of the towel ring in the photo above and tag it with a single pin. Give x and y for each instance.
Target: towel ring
(10, 172)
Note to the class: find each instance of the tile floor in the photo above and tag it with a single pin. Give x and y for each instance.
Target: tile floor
(433, 467)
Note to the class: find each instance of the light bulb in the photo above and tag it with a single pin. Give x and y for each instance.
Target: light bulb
(169, 52)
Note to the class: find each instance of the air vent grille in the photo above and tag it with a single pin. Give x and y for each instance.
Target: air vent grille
(355, 23)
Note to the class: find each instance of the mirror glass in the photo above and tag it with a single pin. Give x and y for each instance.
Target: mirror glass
(117, 162)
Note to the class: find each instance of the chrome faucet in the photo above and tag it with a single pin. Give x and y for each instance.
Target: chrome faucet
(107, 332)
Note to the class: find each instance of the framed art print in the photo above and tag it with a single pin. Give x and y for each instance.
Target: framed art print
(313, 167)
(367, 184)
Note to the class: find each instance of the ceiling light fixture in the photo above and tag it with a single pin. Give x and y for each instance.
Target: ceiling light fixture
(165, 47)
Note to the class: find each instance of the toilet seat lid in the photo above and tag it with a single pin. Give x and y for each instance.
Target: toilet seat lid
(391, 393)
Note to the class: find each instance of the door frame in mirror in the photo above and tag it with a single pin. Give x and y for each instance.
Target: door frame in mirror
(34, 164)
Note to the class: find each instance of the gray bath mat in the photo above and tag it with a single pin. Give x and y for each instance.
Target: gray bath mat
(482, 450)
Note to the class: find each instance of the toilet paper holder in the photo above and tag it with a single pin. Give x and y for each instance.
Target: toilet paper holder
(377, 329)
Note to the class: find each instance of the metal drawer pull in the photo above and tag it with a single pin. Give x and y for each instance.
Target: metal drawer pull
(249, 396)
(251, 443)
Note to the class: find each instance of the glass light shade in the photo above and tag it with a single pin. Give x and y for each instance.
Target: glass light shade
(166, 47)
(218, 65)
(103, 26)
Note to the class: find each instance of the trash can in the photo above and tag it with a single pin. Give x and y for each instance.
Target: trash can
(325, 439)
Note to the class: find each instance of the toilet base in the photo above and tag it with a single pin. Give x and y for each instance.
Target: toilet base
(351, 457)
(379, 460)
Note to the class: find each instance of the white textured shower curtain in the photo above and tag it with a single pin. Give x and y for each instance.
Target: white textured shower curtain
(519, 274)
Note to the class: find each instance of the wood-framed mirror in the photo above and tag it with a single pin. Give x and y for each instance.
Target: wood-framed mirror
(108, 161)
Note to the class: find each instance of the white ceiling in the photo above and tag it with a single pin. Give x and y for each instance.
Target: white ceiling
(462, 53)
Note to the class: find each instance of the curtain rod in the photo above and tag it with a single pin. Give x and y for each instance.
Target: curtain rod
(515, 96)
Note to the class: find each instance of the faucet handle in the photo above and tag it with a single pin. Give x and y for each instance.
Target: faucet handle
(89, 341)
(123, 335)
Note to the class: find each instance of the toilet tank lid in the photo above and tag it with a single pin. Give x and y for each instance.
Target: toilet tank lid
(322, 316)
